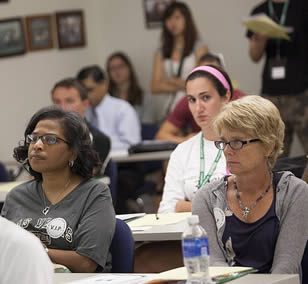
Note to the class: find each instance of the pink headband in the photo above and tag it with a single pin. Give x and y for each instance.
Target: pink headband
(217, 74)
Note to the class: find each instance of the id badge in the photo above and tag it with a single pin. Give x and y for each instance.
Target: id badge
(277, 67)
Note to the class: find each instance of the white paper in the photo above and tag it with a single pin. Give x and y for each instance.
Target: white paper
(115, 279)
(125, 217)
(159, 219)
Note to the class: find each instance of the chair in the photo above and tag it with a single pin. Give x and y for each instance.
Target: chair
(4, 175)
(112, 172)
(122, 249)
(305, 266)
(296, 165)
(148, 132)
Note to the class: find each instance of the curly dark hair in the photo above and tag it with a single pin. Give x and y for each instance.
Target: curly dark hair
(135, 93)
(77, 135)
(190, 31)
(222, 91)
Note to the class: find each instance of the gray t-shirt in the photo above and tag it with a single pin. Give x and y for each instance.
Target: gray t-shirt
(83, 221)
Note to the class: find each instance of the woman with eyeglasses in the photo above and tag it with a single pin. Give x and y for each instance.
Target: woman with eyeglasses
(254, 217)
(69, 211)
(197, 161)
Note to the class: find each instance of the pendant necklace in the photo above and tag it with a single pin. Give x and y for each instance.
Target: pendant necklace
(246, 210)
(47, 208)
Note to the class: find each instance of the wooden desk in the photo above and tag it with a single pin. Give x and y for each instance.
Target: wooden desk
(123, 156)
(251, 278)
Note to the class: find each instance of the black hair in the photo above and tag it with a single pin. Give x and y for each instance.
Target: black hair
(92, 71)
(209, 57)
(222, 91)
(190, 31)
(72, 83)
(135, 93)
(77, 135)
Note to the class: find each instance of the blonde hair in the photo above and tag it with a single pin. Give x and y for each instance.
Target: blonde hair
(256, 117)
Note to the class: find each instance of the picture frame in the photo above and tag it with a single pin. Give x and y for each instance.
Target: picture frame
(12, 37)
(154, 11)
(39, 30)
(70, 29)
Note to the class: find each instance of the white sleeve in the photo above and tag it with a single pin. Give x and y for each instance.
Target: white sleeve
(129, 128)
(23, 259)
(174, 183)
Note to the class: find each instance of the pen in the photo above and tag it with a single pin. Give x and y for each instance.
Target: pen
(232, 275)
(156, 215)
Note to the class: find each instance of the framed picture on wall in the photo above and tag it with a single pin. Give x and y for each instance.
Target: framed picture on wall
(70, 29)
(12, 37)
(39, 32)
(154, 10)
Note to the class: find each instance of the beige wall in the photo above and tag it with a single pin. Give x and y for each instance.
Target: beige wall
(111, 25)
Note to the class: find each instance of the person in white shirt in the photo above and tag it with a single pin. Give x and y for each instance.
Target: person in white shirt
(23, 259)
(197, 161)
(117, 119)
(113, 116)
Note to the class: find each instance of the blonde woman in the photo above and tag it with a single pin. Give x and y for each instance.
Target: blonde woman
(254, 217)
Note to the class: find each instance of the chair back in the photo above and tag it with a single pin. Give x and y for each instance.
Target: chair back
(148, 131)
(305, 265)
(122, 249)
(112, 172)
(296, 165)
(4, 175)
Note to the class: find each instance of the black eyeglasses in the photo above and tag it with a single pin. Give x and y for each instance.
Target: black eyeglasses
(48, 139)
(234, 144)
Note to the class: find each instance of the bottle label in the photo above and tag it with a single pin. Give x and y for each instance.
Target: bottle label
(195, 247)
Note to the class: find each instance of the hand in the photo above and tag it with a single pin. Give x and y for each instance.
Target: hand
(179, 83)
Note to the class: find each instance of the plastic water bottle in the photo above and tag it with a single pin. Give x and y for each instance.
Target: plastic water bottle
(196, 252)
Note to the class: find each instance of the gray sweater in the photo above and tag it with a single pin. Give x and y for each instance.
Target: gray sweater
(210, 204)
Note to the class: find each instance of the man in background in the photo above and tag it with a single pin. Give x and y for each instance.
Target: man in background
(116, 117)
(69, 94)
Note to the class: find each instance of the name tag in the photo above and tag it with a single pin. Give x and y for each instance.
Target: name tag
(278, 72)
(278, 69)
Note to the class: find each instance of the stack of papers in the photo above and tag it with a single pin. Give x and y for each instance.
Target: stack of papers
(264, 25)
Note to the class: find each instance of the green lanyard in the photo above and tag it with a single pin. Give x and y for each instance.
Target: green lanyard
(284, 11)
(282, 18)
(205, 179)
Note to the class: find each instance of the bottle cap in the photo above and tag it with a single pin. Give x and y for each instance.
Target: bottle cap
(193, 220)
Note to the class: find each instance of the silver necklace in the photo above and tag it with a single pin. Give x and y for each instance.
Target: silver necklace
(246, 210)
(47, 208)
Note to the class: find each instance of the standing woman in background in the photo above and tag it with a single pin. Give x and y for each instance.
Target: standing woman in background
(123, 84)
(178, 54)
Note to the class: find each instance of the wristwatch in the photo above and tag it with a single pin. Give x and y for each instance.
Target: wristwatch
(46, 249)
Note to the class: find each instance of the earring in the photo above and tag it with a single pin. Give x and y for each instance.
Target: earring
(71, 163)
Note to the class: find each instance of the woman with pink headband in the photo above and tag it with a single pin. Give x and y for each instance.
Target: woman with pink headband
(197, 161)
